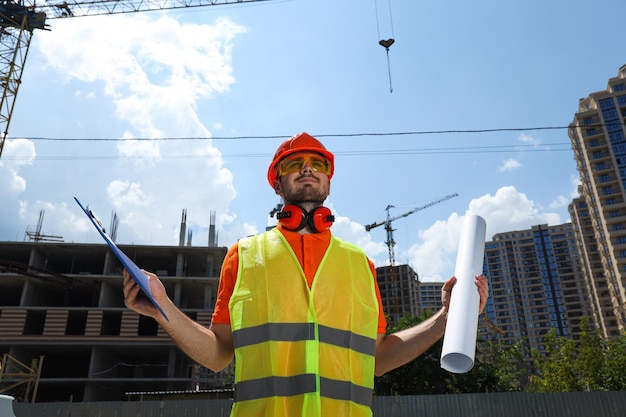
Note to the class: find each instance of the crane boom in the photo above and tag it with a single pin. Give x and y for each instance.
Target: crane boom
(19, 18)
(77, 8)
(390, 242)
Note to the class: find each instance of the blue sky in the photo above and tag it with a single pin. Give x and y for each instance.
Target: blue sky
(268, 70)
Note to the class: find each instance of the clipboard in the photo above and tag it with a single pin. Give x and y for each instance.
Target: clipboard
(135, 272)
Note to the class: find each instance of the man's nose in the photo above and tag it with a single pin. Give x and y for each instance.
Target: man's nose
(306, 167)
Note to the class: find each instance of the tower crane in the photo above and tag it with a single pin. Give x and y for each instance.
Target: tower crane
(390, 242)
(19, 18)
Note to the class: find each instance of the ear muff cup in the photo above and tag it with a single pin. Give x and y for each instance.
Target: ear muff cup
(320, 219)
(292, 217)
(296, 218)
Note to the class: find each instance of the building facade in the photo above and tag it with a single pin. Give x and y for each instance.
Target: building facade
(535, 284)
(62, 316)
(598, 137)
(399, 291)
(402, 293)
(430, 296)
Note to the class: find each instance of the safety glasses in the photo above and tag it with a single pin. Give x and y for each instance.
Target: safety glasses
(295, 163)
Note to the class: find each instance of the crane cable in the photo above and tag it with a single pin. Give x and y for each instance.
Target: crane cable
(386, 43)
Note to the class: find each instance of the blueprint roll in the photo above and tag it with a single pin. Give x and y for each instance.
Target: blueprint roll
(459, 340)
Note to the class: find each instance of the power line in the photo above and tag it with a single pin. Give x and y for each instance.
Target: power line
(548, 147)
(330, 135)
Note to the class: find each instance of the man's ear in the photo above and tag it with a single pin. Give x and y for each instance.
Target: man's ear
(278, 187)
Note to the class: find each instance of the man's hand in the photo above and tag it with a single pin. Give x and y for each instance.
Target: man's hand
(139, 304)
(483, 290)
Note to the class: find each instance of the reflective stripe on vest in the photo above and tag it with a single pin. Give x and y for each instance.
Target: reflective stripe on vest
(289, 338)
(291, 332)
(275, 386)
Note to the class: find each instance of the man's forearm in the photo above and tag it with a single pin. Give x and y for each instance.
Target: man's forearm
(206, 346)
(399, 348)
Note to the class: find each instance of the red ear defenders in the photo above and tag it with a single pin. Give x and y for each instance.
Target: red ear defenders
(296, 218)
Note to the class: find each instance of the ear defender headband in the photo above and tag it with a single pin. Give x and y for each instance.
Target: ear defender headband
(296, 218)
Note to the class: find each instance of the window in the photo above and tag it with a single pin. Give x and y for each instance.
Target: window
(610, 114)
(617, 137)
(619, 148)
(606, 104)
(614, 127)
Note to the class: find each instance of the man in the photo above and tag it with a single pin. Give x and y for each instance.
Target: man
(298, 308)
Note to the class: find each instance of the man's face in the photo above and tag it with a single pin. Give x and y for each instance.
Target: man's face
(302, 180)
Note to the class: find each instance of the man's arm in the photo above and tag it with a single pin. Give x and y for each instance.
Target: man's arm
(212, 347)
(399, 348)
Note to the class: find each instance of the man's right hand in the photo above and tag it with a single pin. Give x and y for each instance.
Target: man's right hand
(143, 305)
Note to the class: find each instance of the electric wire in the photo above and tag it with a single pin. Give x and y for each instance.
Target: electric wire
(544, 147)
(472, 149)
(327, 135)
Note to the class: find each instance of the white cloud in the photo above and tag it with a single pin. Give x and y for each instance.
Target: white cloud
(560, 201)
(509, 165)
(507, 210)
(155, 70)
(152, 72)
(575, 180)
(563, 201)
(355, 233)
(527, 139)
(16, 153)
(124, 194)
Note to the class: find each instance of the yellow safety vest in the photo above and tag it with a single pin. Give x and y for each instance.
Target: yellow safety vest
(300, 351)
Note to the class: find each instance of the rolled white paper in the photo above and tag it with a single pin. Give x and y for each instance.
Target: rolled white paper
(459, 342)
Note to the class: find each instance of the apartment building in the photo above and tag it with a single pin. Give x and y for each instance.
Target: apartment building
(598, 137)
(430, 296)
(536, 284)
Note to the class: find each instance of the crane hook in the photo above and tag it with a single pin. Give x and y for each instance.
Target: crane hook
(386, 43)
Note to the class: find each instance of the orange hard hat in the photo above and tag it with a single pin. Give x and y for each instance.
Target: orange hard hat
(298, 143)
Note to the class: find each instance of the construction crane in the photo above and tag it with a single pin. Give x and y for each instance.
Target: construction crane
(19, 18)
(390, 242)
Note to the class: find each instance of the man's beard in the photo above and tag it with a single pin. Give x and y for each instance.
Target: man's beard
(308, 195)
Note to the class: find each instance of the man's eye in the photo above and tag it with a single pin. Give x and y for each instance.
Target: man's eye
(294, 165)
(318, 165)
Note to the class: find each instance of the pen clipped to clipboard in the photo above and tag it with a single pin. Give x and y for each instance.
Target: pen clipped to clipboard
(135, 272)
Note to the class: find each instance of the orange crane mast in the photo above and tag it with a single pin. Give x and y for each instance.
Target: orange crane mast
(18, 20)
(390, 242)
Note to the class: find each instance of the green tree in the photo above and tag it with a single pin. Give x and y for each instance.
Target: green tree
(554, 365)
(587, 364)
(615, 364)
(506, 362)
(424, 375)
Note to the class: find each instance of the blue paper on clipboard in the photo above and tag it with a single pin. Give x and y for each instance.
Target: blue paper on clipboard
(135, 272)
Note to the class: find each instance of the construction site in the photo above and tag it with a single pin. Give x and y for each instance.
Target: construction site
(65, 334)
